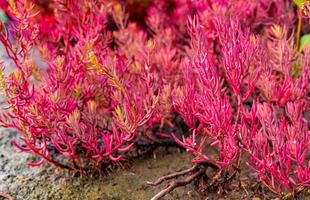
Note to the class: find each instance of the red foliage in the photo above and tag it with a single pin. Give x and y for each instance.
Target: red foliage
(87, 98)
(230, 69)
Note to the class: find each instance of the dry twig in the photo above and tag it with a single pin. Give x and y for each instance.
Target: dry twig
(178, 183)
(6, 195)
(171, 176)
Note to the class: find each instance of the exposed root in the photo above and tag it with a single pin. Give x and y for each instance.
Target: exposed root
(178, 183)
(6, 195)
(291, 195)
(196, 172)
(171, 176)
(215, 178)
(243, 186)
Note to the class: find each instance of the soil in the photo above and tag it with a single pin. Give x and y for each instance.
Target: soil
(49, 183)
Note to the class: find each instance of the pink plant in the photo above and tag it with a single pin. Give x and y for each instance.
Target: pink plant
(206, 102)
(279, 146)
(285, 76)
(84, 99)
(255, 68)
(241, 57)
(108, 78)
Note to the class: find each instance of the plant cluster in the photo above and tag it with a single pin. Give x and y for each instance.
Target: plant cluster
(237, 72)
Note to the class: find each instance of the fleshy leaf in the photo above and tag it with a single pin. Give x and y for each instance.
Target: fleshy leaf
(299, 3)
(3, 17)
(304, 41)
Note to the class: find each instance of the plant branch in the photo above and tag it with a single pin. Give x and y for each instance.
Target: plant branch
(298, 33)
(173, 175)
(6, 195)
(178, 183)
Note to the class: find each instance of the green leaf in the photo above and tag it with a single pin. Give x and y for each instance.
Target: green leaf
(296, 68)
(304, 41)
(299, 3)
(3, 17)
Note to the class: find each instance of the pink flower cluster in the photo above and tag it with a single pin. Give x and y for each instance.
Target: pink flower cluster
(230, 69)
